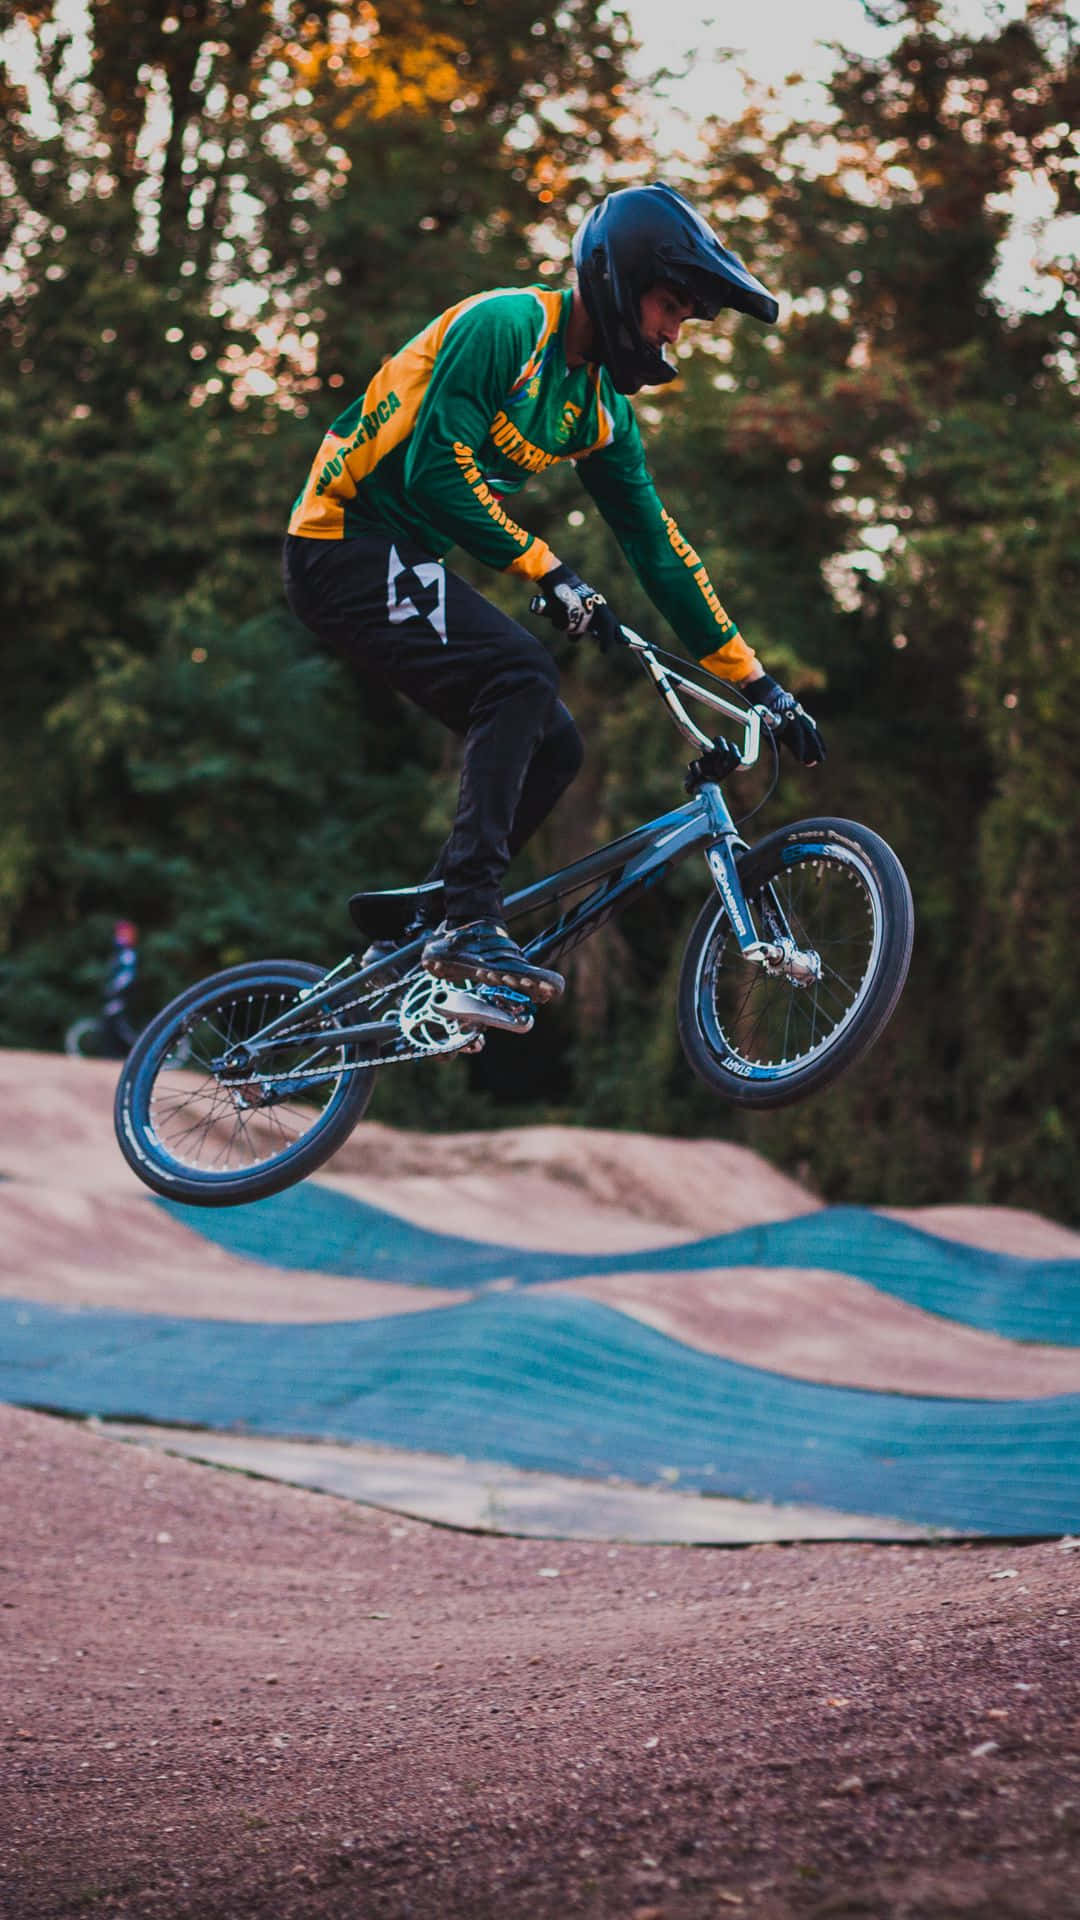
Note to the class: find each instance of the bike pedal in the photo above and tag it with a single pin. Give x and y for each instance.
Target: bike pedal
(513, 998)
(500, 1007)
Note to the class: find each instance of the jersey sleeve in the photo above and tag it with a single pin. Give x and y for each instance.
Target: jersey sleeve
(474, 370)
(673, 575)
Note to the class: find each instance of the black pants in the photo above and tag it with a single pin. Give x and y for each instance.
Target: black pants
(396, 614)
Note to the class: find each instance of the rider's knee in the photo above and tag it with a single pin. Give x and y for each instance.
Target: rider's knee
(543, 670)
(533, 683)
(529, 682)
(565, 749)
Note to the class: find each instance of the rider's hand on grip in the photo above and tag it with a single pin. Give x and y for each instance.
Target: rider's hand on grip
(795, 727)
(575, 608)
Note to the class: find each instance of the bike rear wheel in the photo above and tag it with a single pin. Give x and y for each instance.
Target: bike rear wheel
(195, 1132)
(765, 1038)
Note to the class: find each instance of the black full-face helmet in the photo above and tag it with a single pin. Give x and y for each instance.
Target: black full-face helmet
(632, 240)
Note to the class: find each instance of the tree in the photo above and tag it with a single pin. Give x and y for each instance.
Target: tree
(908, 430)
(225, 211)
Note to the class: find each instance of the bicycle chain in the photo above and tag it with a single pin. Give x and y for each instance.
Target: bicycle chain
(360, 1066)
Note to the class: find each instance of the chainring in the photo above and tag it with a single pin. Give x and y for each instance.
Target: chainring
(426, 1024)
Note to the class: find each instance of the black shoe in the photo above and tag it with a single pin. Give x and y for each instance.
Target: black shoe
(483, 951)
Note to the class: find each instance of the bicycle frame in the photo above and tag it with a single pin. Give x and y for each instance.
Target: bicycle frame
(614, 874)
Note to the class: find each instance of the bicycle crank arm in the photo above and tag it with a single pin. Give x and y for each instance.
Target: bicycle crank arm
(488, 1007)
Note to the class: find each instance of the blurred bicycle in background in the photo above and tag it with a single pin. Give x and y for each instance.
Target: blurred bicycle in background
(110, 1035)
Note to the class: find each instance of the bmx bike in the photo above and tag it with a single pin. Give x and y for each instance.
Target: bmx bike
(249, 1080)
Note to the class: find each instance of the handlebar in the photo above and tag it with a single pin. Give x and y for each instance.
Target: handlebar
(667, 679)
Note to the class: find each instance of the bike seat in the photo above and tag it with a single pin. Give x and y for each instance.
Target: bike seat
(383, 915)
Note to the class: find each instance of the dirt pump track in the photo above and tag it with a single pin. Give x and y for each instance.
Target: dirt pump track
(226, 1697)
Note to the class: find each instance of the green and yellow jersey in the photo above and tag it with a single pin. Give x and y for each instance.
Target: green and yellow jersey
(460, 417)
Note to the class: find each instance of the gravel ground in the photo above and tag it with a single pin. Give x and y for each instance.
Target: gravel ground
(224, 1697)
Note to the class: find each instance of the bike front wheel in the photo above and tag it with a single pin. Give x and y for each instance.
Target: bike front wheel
(832, 902)
(91, 1039)
(197, 1132)
(82, 1040)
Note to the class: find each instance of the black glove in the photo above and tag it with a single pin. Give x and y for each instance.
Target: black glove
(575, 608)
(795, 727)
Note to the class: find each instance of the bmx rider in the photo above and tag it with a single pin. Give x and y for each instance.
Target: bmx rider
(499, 386)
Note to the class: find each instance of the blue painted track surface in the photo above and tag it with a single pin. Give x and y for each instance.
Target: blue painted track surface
(324, 1231)
(565, 1385)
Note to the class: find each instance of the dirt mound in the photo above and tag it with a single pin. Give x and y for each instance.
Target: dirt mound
(998, 1229)
(56, 1123)
(78, 1229)
(814, 1325)
(582, 1188)
(575, 1188)
(543, 1186)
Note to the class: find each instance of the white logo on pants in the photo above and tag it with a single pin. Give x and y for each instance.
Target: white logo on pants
(400, 607)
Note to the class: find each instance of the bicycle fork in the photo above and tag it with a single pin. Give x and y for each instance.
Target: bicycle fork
(780, 955)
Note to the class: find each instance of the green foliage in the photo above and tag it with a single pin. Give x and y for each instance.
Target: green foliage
(909, 436)
(171, 748)
(233, 214)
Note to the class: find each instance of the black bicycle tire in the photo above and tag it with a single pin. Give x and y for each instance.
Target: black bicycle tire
(854, 1040)
(153, 1166)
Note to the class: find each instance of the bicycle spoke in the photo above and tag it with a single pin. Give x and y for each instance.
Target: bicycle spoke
(770, 1019)
(212, 1126)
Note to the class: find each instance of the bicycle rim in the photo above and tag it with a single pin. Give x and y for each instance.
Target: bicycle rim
(770, 1026)
(212, 1125)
